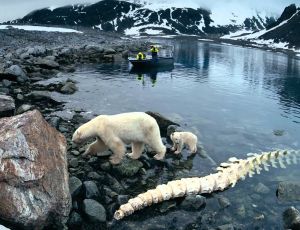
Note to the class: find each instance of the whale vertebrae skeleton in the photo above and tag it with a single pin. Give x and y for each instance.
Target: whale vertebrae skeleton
(228, 174)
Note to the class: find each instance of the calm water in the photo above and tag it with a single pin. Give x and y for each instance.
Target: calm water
(235, 99)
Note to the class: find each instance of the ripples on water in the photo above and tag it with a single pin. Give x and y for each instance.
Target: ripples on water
(233, 98)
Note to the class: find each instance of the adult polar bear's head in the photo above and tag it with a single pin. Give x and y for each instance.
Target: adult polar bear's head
(86, 131)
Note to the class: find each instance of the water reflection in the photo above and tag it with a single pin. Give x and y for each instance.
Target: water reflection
(143, 74)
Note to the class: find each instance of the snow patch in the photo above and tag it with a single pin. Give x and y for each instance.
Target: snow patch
(204, 39)
(153, 32)
(40, 28)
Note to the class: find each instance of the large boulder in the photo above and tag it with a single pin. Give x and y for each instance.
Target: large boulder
(34, 188)
(162, 122)
(7, 106)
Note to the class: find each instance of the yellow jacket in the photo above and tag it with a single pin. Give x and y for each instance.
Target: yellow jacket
(140, 56)
(154, 49)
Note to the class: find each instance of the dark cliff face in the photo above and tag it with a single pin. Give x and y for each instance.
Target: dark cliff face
(289, 31)
(119, 16)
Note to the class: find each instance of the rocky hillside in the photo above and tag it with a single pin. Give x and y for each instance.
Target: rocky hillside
(286, 28)
(283, 33)
(131, 18)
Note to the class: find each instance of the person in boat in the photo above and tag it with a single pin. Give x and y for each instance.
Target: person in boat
(154, 50)
(140, 56)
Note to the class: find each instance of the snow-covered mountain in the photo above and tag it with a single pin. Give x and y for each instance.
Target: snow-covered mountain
(283, 33)
(133, 17)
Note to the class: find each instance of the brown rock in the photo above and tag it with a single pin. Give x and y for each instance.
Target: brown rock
(34, 188)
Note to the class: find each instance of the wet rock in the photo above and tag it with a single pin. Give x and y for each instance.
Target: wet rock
(125, 54)
(33, 172)
(69, 88)
(288, 191)
(115, 184)
(7, 106)
(75, 221)
(261, 188)
(128, 167)
(122, 199)
(94, 211)
(241, 211)
(173, 128)
(291, 218)
(162, 121)
(24, 108)
(91, 190)
(167, 205)
(54, 121)
(223, 202)
(42, 95)
(92, 49)
(226, 227)
(75, 185)
(193, 202)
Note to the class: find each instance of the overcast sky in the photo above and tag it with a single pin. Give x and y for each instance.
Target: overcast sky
(12, 9)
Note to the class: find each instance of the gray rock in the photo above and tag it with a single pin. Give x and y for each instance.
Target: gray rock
(109, 51)
(94, 211)
(128, 167)
(24, 108)
(73, 163)
(36, 50)
(47, 63)
(223, 202)
(20, 97)
(291, 218)
(54, 121)
(288, 191)
(105, 166)
(95, 176)
(75, 221)
(122, 199)
(42, 95)
(226, 227)
(6, 83)
(69, 88)
(75, 185)
(261, 188)
(18, 72)
(7, 106)
(91, 190)
(193, 202)
(75, 152)
(92, 49)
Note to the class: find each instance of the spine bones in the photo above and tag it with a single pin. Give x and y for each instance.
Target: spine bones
(228, 174)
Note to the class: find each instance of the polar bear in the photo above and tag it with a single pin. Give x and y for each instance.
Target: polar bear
(184, 138)
(114, 131)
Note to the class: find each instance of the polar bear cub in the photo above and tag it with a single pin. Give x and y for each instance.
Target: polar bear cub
(184, 138)
(114, 131)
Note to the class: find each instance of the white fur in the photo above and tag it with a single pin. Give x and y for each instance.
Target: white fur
(184, 138)
(114, 131)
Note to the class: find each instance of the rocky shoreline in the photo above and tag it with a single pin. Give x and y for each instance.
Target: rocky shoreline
(97, 188)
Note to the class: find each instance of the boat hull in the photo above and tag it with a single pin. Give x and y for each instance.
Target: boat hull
(161, 61)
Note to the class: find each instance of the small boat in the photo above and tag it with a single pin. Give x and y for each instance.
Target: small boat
(149, 62)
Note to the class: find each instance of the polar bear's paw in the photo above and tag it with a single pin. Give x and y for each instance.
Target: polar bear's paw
(133, 156)
(115, 160)
(158, 157)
